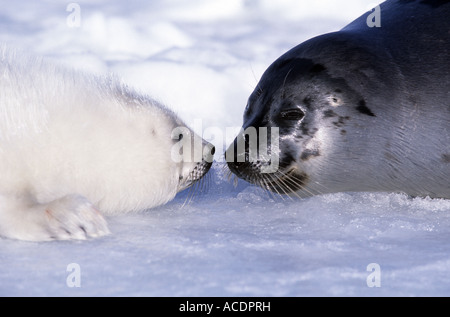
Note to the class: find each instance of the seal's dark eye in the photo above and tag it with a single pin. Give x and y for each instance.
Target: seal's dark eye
(293, 114)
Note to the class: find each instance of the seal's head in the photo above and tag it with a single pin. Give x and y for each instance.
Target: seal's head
(179, 157)
(193, 156)
(316, 113)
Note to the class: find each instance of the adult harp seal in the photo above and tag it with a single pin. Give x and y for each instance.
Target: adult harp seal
(361, 109)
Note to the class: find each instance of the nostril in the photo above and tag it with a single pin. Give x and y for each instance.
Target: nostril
(238, 164)
(213, 150)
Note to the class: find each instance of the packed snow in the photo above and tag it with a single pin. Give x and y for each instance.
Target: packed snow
(203, 59)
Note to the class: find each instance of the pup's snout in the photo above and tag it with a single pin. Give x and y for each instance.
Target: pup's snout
(208, 152)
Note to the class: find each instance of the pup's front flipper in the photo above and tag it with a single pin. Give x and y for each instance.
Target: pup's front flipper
(70, 217)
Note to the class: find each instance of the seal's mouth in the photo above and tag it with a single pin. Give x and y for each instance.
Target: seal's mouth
(284, 183)
(281, 182)
(195, 176)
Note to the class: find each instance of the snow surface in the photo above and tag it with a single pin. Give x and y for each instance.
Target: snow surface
(203, 59)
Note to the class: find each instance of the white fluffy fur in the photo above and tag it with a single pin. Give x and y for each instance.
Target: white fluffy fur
(69, 142)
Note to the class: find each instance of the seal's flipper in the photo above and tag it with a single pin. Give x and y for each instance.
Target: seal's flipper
(69, 217)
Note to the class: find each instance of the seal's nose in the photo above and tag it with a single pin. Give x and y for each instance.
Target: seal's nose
(237, 162)
(208, 152)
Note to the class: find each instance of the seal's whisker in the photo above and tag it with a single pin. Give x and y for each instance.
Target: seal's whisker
(188, 198)
(235, 181)
(230, 175)
(275, 180)
(279, 182)
(195, 189)
(185, 202)
(288, 184)
(285, 182)
(326, 189)
(197, 186)
(201, 184)
(224, 168)
(267, 188)
(298, 185)
(207, 181)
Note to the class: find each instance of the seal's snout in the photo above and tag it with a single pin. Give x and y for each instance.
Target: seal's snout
(245, 170)
(281, 182)
(209, 151)
(195, 171)
(239, 162)
(202, 167)
(205, 165)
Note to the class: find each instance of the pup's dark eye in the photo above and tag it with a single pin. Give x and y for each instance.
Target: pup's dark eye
(293, 114)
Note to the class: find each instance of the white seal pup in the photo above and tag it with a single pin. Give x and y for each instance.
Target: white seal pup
(361, 109)
(75, 146)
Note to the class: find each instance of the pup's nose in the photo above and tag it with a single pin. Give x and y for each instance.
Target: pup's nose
(209, 151)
